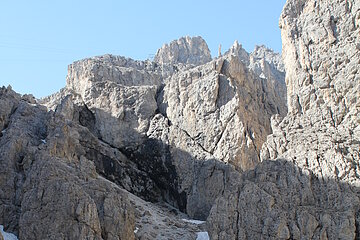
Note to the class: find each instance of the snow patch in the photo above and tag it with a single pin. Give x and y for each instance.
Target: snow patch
(3, 131)
(193, 221)
(136, 230)
(43, 140)
(7, 236)
(203, 236)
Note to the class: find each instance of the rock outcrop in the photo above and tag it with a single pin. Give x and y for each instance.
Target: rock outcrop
(224, 107)
(307, 186)
(168, 119)
(186, 50)
(49, 189)
(323, 90)
(171, 132)
(133, 149)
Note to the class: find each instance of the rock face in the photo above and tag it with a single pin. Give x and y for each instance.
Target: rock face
(323, 89)
(311, 189)
(172, 132)
(186, 50)
(168, 119)
(128, 149)
(44, 167)
(226, 107)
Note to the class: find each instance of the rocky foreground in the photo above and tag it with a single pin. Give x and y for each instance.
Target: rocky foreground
(139, 149)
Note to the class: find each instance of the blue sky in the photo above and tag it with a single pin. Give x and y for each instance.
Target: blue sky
(39, 38)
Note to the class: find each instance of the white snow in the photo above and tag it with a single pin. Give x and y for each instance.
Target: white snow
(3, 131)
(43, 140)
(262, 75)
(7, 236)
(136, 230)
(193, 221)
(203, 236)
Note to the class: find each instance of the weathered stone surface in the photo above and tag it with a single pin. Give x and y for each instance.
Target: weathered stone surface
(43, 169)
(266, 64)
(69, 183)
(313, 193)
(208, 113)
(177, 147)
(224, 108)
(278, 200)
(321, 131)
(171, 131)
(120, 70)
(9, 100)
(186, 50)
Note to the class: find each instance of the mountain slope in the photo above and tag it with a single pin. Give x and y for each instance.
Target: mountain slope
(171, 132)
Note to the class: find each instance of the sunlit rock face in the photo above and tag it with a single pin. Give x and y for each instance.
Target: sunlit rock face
(129, 148)
(186, 50)
(307, 186)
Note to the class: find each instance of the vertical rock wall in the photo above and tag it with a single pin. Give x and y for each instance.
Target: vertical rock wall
(307, 186)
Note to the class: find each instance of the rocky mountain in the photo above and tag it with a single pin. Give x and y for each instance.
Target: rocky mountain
(186, 146)
(130, 148)
(307, 186)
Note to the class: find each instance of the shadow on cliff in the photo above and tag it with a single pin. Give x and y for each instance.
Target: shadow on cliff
(277, 197)
(156, 171)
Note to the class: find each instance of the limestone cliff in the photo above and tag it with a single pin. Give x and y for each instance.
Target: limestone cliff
(307, 186)
(142, 142)
(132, 149)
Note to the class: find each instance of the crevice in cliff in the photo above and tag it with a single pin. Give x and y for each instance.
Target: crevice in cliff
(357, 225)
(197, 143)
(332, 117)
(334, 28)
(154, 158)
(3, 131)
(87, 119)
(223, 131)
(159, 98)
(237, 213)
(250, 133)
(217, 93)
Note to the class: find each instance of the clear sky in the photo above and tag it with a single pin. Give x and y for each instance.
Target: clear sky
(39, 38)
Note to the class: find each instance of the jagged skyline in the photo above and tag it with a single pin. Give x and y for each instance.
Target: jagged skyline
(39, 39)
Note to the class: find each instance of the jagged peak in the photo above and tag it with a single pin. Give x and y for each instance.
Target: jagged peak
(186, 50)
(238, 50)
(262, 52)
